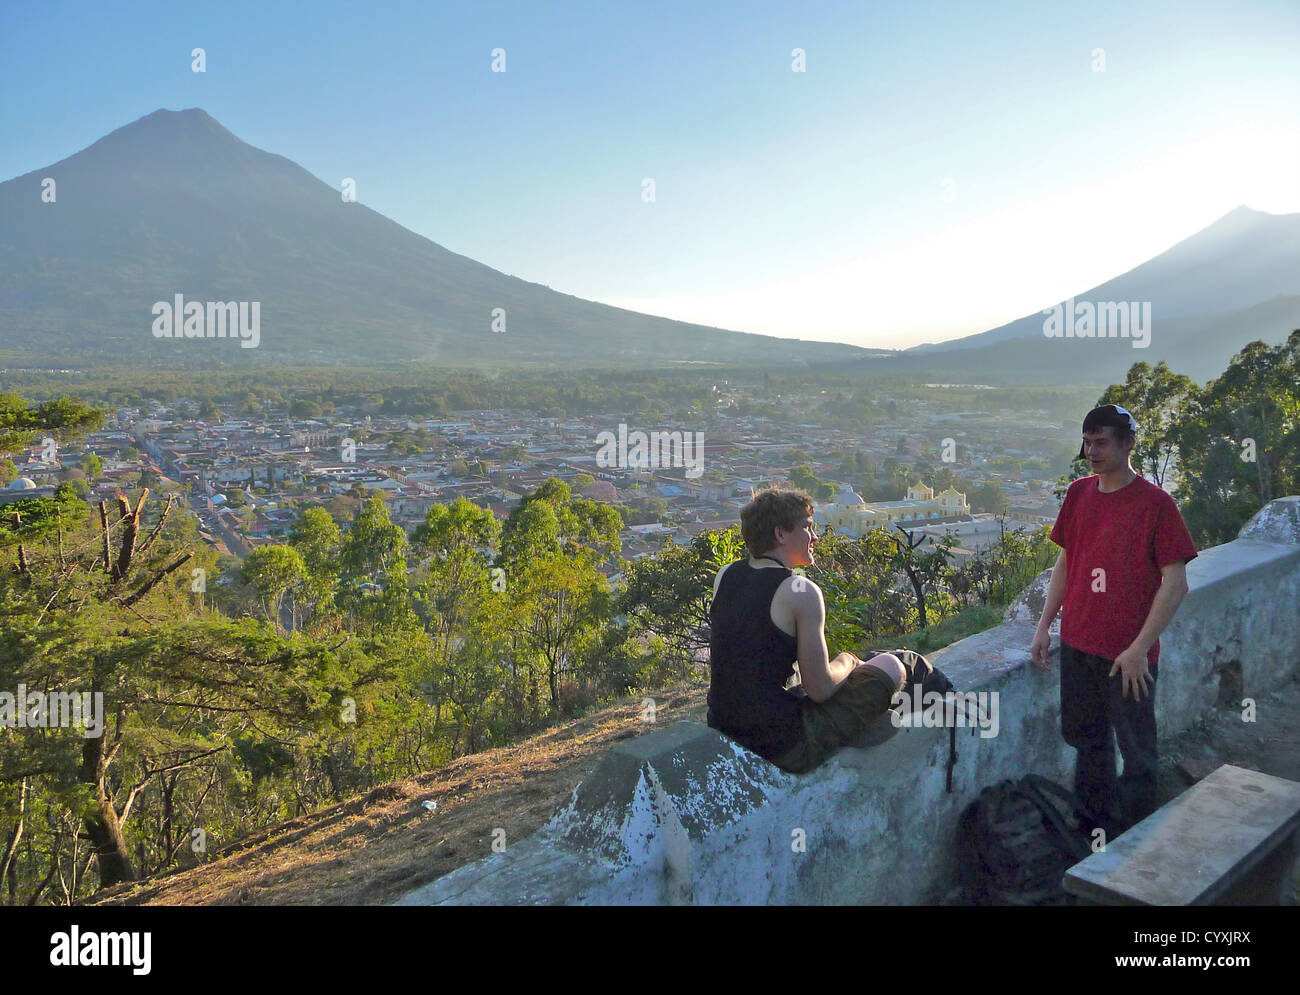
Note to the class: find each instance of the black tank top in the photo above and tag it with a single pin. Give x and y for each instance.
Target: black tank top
(750, 661)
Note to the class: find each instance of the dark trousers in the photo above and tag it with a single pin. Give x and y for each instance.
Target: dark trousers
(1094, 714)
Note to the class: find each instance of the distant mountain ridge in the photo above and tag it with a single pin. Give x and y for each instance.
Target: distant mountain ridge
(1244, 259)
(175, 204)
(1197, 346)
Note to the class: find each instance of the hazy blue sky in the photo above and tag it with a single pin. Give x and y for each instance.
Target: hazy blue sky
(938, 169)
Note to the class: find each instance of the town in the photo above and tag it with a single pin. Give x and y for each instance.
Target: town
(248, 478)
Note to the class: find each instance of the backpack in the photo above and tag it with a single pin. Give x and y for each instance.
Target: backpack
(923, 677)
(1016, 841)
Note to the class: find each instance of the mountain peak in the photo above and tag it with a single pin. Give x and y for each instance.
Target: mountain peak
(188, 124)
(174, 204)
(1239, 218)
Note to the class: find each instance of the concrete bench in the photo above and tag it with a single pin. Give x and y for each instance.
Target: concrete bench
(1229, 840)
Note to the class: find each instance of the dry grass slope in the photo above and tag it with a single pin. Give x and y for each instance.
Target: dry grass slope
(374, 848)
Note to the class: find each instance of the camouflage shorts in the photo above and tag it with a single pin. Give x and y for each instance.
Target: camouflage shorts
(861, 700)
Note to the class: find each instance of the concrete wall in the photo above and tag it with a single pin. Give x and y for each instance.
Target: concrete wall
(685, 816)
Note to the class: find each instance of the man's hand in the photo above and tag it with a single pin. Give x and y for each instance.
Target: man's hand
(1133, 665)
(1038, 649)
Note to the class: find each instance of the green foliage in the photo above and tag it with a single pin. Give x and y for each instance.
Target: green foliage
(550, 519)
(1239, 444)
(273, 571)
(644, 510)
(667, 596)
(987, 498)
(371, 544)
(461, 523)
(802, 476)
(64, 418)
(967, 622)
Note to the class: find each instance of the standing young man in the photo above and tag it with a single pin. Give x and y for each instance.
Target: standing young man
(764, 619)
(1121, 576)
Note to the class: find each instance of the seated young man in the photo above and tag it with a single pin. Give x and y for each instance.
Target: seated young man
(764, 619)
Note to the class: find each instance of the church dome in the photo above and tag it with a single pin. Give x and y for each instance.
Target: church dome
(846, 496)
(22, 484)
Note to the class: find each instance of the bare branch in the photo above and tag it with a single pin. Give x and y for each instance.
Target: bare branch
(103, 521)
(157, 529)
(156, 578)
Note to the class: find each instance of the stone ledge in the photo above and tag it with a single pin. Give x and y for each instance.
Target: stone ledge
(1278, 521)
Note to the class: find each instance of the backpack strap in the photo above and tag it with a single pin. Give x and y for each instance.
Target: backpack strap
(952, 754)
(1070, 799)
(1036, 789)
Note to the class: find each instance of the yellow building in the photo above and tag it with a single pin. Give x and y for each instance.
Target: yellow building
(850, 515)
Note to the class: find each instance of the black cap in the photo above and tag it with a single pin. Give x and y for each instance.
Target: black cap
(1120, 419)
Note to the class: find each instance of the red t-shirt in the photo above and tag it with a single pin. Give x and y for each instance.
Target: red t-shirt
(1130, 534)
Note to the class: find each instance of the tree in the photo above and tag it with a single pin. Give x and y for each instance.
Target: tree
(550, 518)
(317, 538)
(923, 566)
(515, 452)
(802, 476)
(1159, 401)
(1156, 398)
(189, 700)
(861, 586)
(559, 600)
(669, 594)
(20, 654)
(1239, 444)
(461, 523)
(273, 571)
(303, 408)
(372, 541)
(988, 497)
(63, 418)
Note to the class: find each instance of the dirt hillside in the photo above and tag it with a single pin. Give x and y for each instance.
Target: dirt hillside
(372, 849)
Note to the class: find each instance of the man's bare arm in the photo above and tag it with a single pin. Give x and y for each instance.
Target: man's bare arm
(1055, 595)
(821, 676)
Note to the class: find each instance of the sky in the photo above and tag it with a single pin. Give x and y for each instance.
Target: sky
(934, 169)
